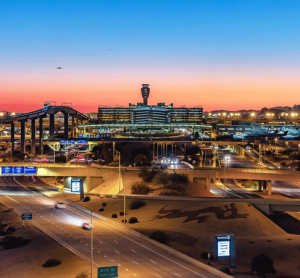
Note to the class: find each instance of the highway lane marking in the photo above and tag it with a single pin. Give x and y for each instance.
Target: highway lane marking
(153, 261)
(99, 241)
(116, 241)
(177, 274)
(198, 274)
(133, 251)
(135, 262)
(117, 252)
(157, 275)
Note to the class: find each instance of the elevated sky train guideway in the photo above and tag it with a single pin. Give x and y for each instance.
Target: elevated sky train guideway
(40, 114)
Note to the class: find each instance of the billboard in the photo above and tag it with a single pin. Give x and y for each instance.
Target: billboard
(75, 185)
(224, 248)
(6, 170)
(30, 170)
(19, 170)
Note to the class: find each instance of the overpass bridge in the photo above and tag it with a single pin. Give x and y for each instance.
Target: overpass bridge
(93, 176)
(41, 114)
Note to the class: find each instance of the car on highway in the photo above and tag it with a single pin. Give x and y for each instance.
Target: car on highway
(59, 205)
(86, 226)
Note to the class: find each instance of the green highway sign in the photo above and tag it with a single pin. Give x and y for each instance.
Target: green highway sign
(108, 271)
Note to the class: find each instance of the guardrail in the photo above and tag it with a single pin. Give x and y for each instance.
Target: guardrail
(187, 164)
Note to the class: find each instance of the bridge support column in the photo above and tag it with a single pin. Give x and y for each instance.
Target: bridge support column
(51, 127)
(72, 127)
(269, 186)
(12, 136)
(41, 135)
(33, 136)
(22, 137)
(207, 184)
(66, 125)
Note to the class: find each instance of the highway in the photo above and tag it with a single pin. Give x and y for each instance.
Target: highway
(113, 245)
(287, 189)
(233, 191)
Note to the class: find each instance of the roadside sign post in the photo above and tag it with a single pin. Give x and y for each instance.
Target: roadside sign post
(108, 271)
(26, 216)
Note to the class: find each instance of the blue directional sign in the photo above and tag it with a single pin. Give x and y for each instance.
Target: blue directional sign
(67, 142)
(80, 135)
(19, 170)
(108, 271)
(81, 142)
(30, 170)
(26, 216)
(7, 170)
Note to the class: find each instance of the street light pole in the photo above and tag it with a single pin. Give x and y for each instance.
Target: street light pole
(92, 255)
(123, 185)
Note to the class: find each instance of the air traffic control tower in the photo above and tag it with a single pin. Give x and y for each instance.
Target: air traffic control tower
(145, 93)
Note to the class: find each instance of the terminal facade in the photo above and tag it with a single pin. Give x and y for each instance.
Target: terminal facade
(142, 113)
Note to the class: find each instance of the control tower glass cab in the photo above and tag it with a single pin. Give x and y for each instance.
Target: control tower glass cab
(145, 93)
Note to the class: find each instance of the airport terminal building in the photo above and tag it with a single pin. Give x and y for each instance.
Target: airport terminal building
(142, 113)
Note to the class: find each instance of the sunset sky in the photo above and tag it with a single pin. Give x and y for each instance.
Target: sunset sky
(218, 54)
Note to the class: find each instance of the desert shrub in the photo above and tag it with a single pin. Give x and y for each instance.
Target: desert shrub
(104, 205)
(141, 159)
(140, 188)
(171, 193)
(51, 263)
(136, 204)
(125, 220)
(159, 236)
(113, 164)
(161, 178)
(82, 275)
(11, 242)
(101, 209)
(225, 269)
(25, 241)
(263, 265)
(10, 229)
(86, 199)
(282, 163)
(132, 220)
(147, 176)
(114, 215)
(122, 213)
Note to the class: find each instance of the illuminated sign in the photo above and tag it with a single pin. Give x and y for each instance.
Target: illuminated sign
(75, 185)
(108, 271)
(223, 248)
(26, 216)
(30, 170)
(81, 142)
(7, 170)
(67, 142)
(225, 244)
(19, 170)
